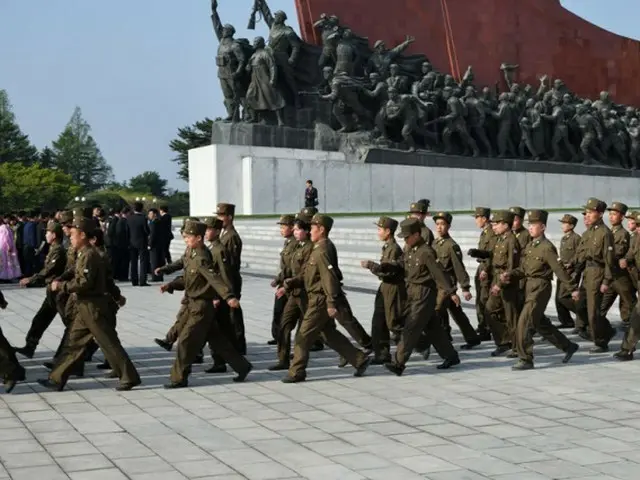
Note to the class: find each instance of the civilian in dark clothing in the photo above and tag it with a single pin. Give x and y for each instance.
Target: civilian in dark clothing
(157, 243)
(121, 246)
(29, 246)
(43, 246)
(167, 226)
(110, 241)
(310, 195)
(139, 245)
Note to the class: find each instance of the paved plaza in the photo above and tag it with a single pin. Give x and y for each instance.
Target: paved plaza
(477, 421)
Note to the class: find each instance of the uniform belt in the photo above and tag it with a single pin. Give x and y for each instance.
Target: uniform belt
(593, 263)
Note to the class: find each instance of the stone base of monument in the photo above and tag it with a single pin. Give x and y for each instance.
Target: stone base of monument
(270, 180)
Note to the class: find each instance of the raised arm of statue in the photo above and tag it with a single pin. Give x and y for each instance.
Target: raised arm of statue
(215, 19)
(395, 51)
(265, 11)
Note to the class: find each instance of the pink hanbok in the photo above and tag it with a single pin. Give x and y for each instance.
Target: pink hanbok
(9, 265)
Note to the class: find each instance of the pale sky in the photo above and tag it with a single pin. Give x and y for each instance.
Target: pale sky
(139, 69)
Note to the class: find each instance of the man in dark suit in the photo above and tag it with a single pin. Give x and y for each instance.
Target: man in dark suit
(121, 244)
(167, 227)
(157, 244)
(110, 240)
(139, 245)
(310, 195)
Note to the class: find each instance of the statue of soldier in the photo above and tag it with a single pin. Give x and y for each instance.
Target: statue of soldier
(327, 24)
(346, 52)
(262, 94)
(504, 116)
(633, 129)
(476, 119)
(591, 132)
(629, 114)
(604, 102)
(560, 135)
(231, 60)
(397, 81)
(455, 122)
(400, 110)
(381, 58)
(325, 85)
(531, 126)
(345, 95)
(615, 139)
(376, 92)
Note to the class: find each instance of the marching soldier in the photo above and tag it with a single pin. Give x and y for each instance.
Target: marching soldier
(390, 297)
(420, 210)
(568, 249)
(595, 260)
(322, 284)
(12, 372)
(54, 266)
(632, 226)
(621, 284)
(482, 280)
(424, 276)
(630, 340)
(538, 264)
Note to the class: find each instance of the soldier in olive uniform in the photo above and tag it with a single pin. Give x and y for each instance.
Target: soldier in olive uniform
(450, 258)
(595, 261)
(54, 266)
(202, 286)
(91, 316)
(308, 212)
(502, 306)
(295, 305)
(621, 284)
(482, 280)
(286, 230)
(538, 264)
(632, 227)
(424, 276)
(323, 287)
(420, 211)
(10, 370)
(568, 249)
(391, 295)
(233, 245)
(630, 340)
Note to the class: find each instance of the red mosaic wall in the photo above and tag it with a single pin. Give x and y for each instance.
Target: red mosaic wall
(539, 35)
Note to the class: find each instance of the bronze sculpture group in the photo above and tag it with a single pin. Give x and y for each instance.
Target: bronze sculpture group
(402, 101)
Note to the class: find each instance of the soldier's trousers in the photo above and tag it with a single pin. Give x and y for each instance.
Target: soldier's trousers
(42, 319)
(565, 305)
(502, 313)
(537, 296)
(444, 308)
(621, 287)
(482, 295)
(420, 317)
(10, 368)
(317, 323)
(174, 331)
(226, 328)
(91, 321)
(292, 315)
(199, 327)
(591, 301)
(630, 340)
(278, 309)
(388, 310)
(351, 324)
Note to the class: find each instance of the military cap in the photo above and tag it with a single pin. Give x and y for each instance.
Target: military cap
(595, 204)
(86, 225)
(213, 222)
(55, 227)
(309, 211)
(566, 218)
(195, 228)
(226, 209)
(632, 214)
(502, 216)
(482, 212)
(618, 207)
(537, 216)
(409, 226)
(66, 217)
(418, 207)
(286, 220)
(446, 216)
(517, 211)
(302, 218)
(190, 219)
(387, 222)
(322, 220)
(80, 212)
(637, 219)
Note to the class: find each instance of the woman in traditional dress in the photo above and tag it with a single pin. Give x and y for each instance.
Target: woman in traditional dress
(9, 265)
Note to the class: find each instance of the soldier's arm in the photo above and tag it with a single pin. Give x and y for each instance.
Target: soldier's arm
(458, 268)
(52, 265)
(550, 255)
(621, 244)
(224, 268)
(513, 260)
(609, 257)
(394, 256)
(234, 249)
(86, 275)
(176, 285)
(631, 253)
(443, 281)
(329, 279)
(205, 268)
(334, 93)
(173, 267)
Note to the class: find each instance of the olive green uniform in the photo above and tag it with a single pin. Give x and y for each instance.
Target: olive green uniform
(564, 303)
(176, 284)
(485, 244)
(10, 368)
(538, 264)
(632, 336)
(232, 243)
(594, 264)
(91, 320)
(286, 253)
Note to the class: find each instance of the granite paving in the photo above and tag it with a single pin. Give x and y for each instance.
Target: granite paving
(478, 421)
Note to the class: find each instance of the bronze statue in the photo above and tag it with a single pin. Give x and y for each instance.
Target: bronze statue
(263, 95)
(347, 108)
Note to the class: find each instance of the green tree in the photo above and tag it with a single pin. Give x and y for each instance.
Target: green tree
(76, 153)
(15, 146)
(194, 136)
(32, 186)
(47, 158)
(149, 182)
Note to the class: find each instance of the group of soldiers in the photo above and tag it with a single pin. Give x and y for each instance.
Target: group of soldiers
(416, 297)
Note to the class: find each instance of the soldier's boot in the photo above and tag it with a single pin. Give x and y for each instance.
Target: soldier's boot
(522, 365)
(27, 351)
(163, 343)
(573, 348)
(623, 356)
(317, 346)
(449, 362)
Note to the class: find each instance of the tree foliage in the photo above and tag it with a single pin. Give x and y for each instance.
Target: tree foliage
(32, 186)
(15, 146)
(194, 136)
(76, 153)
(149, 182)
